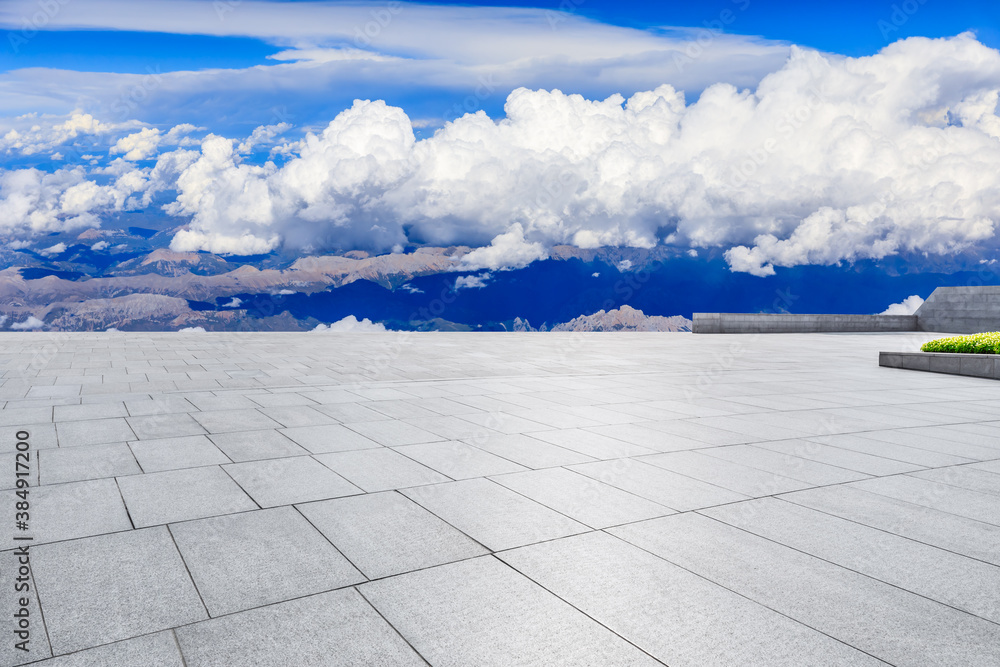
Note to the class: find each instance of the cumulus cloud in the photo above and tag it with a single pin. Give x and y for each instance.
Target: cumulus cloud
(507, 250)
(472, 282)
(57, 249)
(191, 330)
(146, 143)
(31, 323)
(351, 324)
(830, 159)
(235, 303)
(100, 245)
(907, 306)
(32, 134)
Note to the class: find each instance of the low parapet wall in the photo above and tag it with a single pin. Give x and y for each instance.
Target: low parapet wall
(723, 323)
(963, 310)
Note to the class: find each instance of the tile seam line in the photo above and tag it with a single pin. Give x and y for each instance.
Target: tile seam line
(886, 531)
(849, 569)
(580, 611)
(753, 601)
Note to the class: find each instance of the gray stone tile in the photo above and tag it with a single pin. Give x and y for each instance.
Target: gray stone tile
(503, 422)
(63, 413)
(257, 558)
(594, 445)
(785, 464)
(166, 425)
(835, 456)
(256, 445)
(41, 436)
(882, 620)
(493, 515)
(328, 438)
(18, 417)
(458, 460)
(111, 587)
(180, 495)
(380, 469)
(20, 587)
(174, 453)
(481, 612)
(157, 406)
(733, 476)
(950, 578)
(650, 602)
(68, 511)
(447, 426)
(581, 498)
(73, 464)
(337, 629)
(225, 421)
(913, 455)
(392, 433)
(983, 507)
(657, 484)
(155, 650)
(297, 415)
(529, 451)
(923, 524)
(965, 477)
(93, 432)
(286, 481)
(281, 400)
(350, 413)
(385, 534)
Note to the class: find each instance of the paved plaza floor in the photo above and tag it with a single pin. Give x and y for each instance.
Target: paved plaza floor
(496, 499)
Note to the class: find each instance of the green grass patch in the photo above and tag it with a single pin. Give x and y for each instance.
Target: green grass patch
(982, 343)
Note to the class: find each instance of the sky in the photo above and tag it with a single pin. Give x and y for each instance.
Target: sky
(780, 134)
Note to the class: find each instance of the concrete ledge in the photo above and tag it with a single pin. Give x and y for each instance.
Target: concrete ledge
(789, 323)
(951, 363)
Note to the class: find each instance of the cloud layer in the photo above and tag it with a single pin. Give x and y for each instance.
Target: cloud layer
(828, 159)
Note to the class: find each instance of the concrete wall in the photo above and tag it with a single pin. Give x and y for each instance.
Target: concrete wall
(792, 323)
(962, 310)
(971, 365)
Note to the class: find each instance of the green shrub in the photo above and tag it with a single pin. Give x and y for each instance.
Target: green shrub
(982, 343)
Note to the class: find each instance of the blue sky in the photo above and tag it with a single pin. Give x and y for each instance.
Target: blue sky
(779, 134)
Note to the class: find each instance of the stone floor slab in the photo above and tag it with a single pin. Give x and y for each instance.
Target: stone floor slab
(493, 515)
(181, 495)
(285, 481)
(258, 558)
(385, 534)
(481, 612)
(337, 629)
(112, 587)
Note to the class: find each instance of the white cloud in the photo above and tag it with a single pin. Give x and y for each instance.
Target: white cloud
(507, 250)
(263, 135)
(235, 303)
(31, 323)
(191, 330)
(32, 134)
(907, 306)
(830, 159)
(100, 245)
(146, 143)
(595, 275)
(351, 324)
(53, 250)
(472, 282)
(340, 46)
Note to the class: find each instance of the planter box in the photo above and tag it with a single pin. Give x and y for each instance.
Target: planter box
(951, 363)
